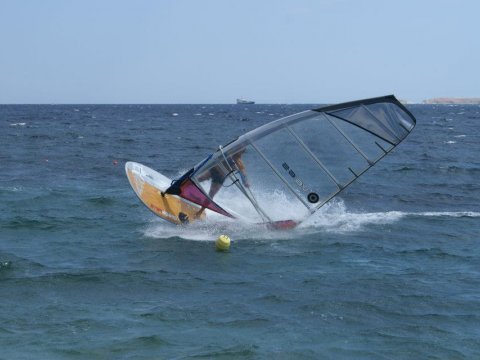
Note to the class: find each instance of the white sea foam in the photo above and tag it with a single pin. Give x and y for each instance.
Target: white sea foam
(18, 124)
(472, 214)
(12, 188)
(211, 228)
(335, 217)
(332, 218)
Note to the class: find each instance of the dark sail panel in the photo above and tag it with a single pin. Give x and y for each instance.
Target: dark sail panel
(190, 191)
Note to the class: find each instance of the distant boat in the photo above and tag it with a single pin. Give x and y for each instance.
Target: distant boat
(243, 101)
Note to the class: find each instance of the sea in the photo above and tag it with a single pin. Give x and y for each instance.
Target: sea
(389, 269)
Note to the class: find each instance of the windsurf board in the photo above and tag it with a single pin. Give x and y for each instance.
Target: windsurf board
(149, 184)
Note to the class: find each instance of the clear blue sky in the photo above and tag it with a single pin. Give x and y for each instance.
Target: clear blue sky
(213, 51)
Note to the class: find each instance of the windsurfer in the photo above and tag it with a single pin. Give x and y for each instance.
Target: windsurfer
(217, 175)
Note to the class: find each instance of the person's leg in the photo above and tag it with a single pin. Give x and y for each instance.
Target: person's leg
(214, 188)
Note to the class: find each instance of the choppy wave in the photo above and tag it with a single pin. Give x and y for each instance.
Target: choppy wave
(101, 200)
(5, 264)
(81, 256)
(20, 222)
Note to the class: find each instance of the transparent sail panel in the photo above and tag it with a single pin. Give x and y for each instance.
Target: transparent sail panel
(304, 177)
(321, 137)
(269, 191)
(261, 192)
(364, 142)
(217, 180)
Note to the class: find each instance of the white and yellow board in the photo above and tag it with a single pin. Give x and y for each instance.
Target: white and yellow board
(149, 184)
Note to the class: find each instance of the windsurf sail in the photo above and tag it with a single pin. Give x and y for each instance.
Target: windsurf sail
(299, 162)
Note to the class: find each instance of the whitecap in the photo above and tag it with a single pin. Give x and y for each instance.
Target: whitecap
(334, 217)
(456, 214)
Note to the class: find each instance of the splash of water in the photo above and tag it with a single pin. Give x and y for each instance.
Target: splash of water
(334, 217)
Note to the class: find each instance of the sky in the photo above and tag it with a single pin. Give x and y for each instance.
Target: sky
(214, 51)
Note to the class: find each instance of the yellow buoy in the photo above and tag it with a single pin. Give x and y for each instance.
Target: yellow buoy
(223, 243)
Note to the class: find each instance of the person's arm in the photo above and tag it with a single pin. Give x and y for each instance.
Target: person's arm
(243, 172)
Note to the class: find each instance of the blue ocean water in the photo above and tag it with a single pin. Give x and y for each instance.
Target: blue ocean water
(388, 270)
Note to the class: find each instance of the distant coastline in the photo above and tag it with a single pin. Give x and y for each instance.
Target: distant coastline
(451, 100)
